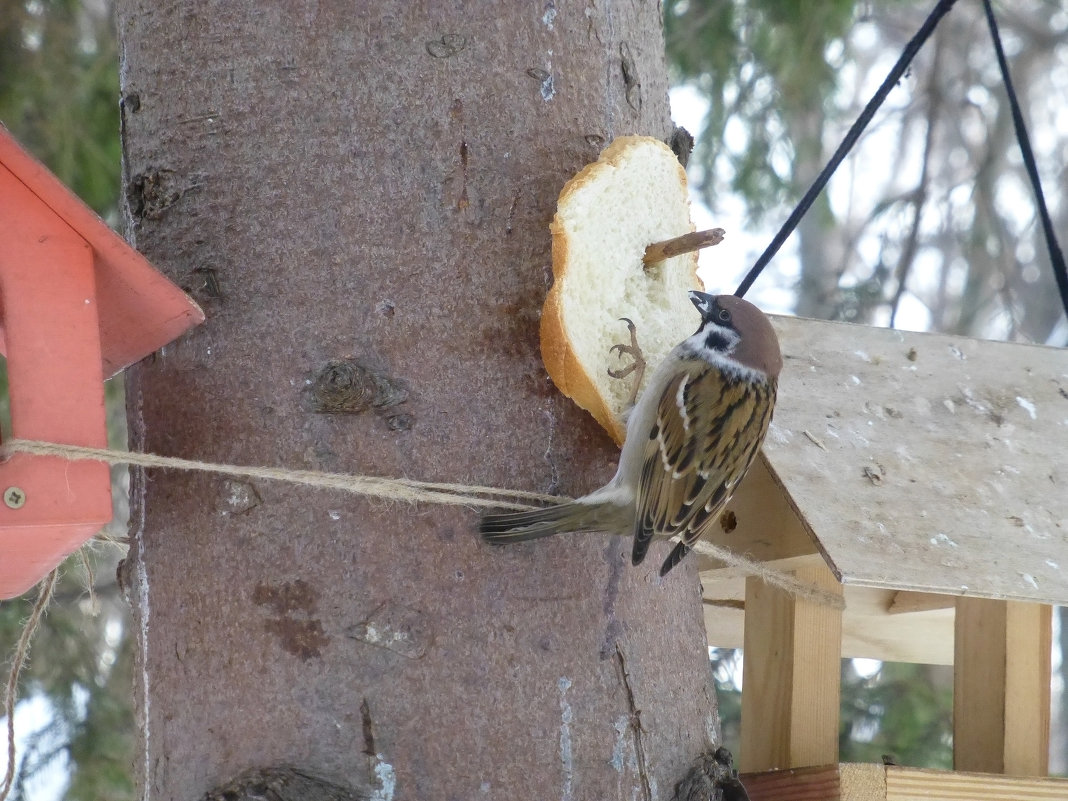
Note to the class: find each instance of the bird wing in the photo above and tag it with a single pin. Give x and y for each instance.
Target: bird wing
(709, 426)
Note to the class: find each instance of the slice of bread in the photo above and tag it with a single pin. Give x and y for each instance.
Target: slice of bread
(606, 216)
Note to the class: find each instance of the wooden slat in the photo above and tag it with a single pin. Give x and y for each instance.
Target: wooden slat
(863, 782)
(904, 603)
(791, 673)
(1001, 687)
(914, 784)
(1029, 643)
(870, 628)
(794, 784)
(926, 462)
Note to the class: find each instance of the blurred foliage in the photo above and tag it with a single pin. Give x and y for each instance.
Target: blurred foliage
(59, 91)
(901, 711)
(81, 660)
(726, 673)
(931, 211)
(763, 62)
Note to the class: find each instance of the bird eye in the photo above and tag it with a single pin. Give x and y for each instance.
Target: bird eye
(724, 316)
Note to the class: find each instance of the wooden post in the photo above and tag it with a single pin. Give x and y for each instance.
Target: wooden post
(791, 676)
(1001, 687)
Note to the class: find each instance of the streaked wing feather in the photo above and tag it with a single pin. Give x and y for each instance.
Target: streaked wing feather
(697, 453)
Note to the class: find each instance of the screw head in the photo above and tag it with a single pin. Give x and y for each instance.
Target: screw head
(14, 497)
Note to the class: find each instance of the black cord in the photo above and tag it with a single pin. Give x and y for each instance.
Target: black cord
(922, 35)
(1056, 257)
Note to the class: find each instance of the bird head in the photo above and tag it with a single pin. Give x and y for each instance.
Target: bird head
(736, 328)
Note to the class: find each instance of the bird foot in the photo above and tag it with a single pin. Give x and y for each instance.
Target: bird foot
(637, 366)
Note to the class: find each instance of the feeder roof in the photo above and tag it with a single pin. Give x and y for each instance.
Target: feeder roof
(926, 462)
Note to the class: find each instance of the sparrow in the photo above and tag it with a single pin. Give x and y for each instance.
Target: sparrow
(690, 439)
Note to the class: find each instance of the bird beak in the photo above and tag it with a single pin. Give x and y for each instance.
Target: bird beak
(704, 303)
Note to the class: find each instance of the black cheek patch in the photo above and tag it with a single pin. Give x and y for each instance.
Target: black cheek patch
(717, 341)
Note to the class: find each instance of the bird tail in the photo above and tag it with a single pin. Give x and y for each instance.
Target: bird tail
(506, 527)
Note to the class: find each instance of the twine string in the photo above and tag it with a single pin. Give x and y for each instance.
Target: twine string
(398, 489)
(395, 489)
(801, 590)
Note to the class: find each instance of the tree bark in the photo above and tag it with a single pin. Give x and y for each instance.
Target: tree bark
(359, 196)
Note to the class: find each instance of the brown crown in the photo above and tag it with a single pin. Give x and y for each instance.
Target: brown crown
(759, 346)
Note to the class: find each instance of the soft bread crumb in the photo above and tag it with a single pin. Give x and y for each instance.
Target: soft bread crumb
(632, 196)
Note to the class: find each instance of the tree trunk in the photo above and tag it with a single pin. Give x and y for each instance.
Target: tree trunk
(359, 196)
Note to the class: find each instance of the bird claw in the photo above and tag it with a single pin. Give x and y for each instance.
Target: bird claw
(622, 372)
(633, 350)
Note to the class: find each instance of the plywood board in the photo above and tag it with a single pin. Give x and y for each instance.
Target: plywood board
(927, 462)
(760, 522)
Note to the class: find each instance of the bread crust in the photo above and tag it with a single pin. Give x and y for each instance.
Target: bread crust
(559, 355)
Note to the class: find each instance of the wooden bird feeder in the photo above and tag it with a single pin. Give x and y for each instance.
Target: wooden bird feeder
(78, 305)
(924, 477)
